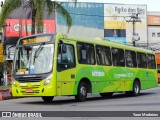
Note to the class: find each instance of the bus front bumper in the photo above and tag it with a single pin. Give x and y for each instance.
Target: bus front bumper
(48, 90)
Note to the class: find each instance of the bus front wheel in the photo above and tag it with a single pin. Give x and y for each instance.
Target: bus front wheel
(47, 98)
(82, 92)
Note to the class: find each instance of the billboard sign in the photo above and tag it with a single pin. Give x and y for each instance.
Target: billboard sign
(116, 26)
(13, 27)
(153, 20)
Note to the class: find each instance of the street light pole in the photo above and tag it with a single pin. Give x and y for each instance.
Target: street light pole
(134, 42)
(134, 20)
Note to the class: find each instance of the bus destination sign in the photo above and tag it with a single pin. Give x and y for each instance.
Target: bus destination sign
(34, 40)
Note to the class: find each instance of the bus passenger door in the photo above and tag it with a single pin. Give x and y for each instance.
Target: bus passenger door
(66, 69)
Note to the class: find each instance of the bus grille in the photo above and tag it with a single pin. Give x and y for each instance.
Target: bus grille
(32, 87)
(29, 79)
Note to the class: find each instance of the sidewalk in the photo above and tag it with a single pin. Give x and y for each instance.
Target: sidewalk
(5, 94)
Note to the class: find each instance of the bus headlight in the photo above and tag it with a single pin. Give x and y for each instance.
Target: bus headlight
(47, 80)
(14, 83)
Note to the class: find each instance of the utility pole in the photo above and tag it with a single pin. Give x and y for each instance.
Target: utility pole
(4, 36)
(134, 19)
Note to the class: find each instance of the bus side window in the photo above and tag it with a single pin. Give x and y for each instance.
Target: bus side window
(141, 60)
(82, 53)
(130, 58)
(86, 54)
(99, 54)
(66, 56)
(118, 57)
(103, 55)
(151, 61)
(107, 56)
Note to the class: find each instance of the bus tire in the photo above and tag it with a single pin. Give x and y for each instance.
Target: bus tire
(47, 98)
(136, 89)
(82, 92)
(107, 94)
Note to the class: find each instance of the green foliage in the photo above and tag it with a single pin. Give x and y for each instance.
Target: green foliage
(3, 67)
(7, 8)
(66, 16)
(37, 7)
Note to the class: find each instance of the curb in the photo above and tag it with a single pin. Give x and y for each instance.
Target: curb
(5, 94)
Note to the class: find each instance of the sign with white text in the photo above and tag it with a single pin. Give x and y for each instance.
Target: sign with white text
(117, 27)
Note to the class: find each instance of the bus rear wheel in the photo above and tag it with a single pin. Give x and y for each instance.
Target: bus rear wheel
(136, 89)
(82, 92)
(47, 98)
(106, 94)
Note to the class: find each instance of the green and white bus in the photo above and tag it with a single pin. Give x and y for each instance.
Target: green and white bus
(49, 65)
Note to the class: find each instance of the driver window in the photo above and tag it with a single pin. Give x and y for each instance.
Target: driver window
(66, 57)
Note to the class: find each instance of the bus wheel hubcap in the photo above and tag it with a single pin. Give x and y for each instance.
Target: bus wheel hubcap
(83, 90)
(136, 89)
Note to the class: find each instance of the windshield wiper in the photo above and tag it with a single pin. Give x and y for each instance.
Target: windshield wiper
(38, 50)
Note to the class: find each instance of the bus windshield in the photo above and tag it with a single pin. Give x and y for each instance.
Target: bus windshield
(34, 58)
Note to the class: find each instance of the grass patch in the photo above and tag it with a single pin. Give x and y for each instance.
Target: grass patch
(5, 87)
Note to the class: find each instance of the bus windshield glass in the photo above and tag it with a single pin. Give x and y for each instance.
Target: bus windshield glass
(34, 58)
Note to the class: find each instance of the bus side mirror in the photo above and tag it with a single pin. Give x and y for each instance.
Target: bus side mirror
(64, 48)
(60, 46)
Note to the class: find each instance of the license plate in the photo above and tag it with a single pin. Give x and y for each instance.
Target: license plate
(29, 91)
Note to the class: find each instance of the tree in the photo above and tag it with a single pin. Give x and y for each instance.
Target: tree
(36, 12)
(36, 9)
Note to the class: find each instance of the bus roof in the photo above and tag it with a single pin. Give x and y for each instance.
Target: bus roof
(101, 41)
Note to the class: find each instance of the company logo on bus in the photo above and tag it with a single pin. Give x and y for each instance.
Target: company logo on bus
(98, 73)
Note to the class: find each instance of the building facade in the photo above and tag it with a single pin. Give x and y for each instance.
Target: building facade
(154, 31)
(123, 23)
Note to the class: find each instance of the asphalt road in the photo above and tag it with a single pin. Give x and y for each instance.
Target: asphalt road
(149, 100)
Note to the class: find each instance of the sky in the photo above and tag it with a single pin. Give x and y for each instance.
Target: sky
(152, 5)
